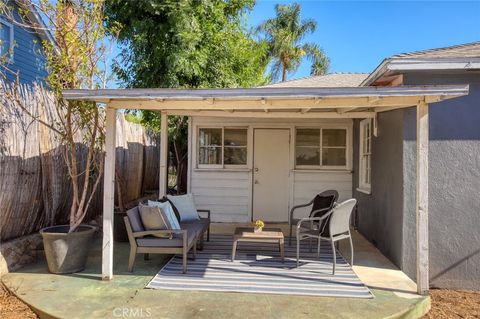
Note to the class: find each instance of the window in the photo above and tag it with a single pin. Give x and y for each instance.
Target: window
(321, 148)
(6, 39)
(365, 163)
(219, 147)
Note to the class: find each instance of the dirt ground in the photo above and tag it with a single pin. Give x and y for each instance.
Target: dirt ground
(454, 304)
(11, 307)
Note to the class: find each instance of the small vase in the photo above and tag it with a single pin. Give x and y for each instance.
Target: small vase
(257, 229)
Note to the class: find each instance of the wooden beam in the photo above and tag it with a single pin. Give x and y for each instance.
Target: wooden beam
(163, 177)
(108, 194)
(390, 108)
(310, 103)
(273, 115)
(422, 199)
(345, 110)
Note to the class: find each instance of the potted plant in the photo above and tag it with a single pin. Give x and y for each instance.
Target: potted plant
(258, 226)
(73, 62)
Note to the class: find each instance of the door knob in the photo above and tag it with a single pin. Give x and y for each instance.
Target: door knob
(256, 169)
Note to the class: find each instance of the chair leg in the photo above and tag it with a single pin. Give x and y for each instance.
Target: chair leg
(195, 251)
(351, 250)
(334, 257)
(131, 258)
(184, 260)
(298, 250)
(200, 240)
(208, 233)
(318, 248)
(146, 256)
(290, 237)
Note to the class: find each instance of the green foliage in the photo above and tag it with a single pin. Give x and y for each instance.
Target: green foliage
(284, 35)
(185, 44)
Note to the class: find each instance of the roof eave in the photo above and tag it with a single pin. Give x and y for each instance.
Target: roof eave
(397, 65)
(41, 28)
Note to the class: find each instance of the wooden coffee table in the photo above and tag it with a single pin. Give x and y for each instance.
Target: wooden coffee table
(267, 235)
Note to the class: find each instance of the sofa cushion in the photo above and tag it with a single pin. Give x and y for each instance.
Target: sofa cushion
(176, 241)
(135, 220)
(185, 206)
(167, 209)
(195, 228)
(203, 222)
(153, 218)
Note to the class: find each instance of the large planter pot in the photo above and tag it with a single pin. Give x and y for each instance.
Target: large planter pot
(67, 252)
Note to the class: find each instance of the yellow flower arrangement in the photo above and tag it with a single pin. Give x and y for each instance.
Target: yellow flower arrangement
(259, 223)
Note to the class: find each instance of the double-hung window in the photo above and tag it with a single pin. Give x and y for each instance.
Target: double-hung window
(6, 40)
(222, 147)
(365, 152)
(321, 148)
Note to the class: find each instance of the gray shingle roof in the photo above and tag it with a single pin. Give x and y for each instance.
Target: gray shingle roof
(466, 50)
(327, 80)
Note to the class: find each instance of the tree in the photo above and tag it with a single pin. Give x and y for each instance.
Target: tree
(72, 62)
(185, 44)
(285, 34)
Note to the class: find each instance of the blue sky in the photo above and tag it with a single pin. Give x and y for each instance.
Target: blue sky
(357, 35)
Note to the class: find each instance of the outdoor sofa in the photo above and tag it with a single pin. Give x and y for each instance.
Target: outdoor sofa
(181, 241)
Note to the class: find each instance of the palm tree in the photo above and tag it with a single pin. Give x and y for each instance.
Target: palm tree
(284, 35)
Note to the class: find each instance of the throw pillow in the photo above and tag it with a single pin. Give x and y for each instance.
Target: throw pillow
(168, 211)
(185, 206)
(154, 219)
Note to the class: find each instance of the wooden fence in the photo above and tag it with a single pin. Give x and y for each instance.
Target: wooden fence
(34, 185)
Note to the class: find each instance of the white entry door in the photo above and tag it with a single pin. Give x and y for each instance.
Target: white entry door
(271, 161)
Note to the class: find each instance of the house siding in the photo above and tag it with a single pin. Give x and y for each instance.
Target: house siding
(454, 184)
(228, 193)
(28, 55)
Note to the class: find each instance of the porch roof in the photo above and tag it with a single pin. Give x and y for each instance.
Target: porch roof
(351, 102)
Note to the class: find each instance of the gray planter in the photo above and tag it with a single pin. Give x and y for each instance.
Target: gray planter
(67, 253)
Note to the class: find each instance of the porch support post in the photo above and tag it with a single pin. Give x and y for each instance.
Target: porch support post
(108, 195)
(422, 199)
(162, 187)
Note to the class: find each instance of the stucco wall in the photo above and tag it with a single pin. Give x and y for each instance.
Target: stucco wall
(387, 216)
(379, 214)
(454, 185)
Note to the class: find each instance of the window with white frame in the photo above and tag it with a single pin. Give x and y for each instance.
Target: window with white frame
(6, 39)
(222, 147)
(321, 148)
(365, 153)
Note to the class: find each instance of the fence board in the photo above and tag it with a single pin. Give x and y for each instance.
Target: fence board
(34, 185)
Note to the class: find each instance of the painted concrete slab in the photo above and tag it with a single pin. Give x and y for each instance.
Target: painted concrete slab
(85, 295)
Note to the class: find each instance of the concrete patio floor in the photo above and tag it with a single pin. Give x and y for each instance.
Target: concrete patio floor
(85, 295)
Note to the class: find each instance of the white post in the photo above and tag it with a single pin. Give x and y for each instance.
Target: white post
(109, 195)
(163, 174)
(422, 199)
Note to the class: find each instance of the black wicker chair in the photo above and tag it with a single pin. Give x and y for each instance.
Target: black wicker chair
(321, 205)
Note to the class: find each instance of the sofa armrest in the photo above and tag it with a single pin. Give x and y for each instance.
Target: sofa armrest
(204, 211)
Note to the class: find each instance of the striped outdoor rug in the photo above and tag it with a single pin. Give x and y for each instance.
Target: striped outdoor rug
(258, 269)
